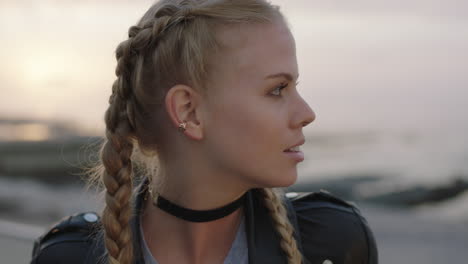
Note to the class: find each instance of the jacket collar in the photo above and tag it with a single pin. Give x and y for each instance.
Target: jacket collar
(262, 239)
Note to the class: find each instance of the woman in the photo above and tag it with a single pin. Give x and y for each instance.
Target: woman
(205, 103)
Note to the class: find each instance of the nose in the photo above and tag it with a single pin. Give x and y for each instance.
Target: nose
(309, 117)
(304, 114)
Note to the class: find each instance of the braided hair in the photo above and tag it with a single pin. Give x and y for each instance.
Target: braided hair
(173, 43)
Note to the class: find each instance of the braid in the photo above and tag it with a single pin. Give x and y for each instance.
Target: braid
(284, 228)
(142, 37)
(117, 177)
(116, 157)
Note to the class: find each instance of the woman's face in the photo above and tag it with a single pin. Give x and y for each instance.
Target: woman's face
(251, 120)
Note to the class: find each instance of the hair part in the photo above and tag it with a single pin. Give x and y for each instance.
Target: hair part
(175, 42)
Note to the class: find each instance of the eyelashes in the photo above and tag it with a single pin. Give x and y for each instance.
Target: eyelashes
(280, 88)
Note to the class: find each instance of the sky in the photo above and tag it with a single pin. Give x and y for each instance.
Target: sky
(364, 64)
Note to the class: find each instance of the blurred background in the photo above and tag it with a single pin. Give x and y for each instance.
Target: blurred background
(387, 80)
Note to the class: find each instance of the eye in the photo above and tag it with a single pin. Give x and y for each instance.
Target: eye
(279, 88)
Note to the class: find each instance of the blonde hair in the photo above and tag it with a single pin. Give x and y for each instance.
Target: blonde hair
(173, 43)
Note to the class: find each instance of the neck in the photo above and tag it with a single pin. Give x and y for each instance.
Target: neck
(173, 240)
(198, 216)
(196, 186)
(169, 237)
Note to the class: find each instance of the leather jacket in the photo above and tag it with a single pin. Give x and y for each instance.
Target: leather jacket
(328, 229)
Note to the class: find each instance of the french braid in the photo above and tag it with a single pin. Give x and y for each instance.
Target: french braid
(117, 150)
(116, 158)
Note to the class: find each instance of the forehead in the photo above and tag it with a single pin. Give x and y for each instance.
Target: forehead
(257, 50)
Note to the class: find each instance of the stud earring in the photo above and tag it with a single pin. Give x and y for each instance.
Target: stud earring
(182, 126)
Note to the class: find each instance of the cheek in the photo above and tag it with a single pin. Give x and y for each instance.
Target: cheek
(247, 138)
(251, 125)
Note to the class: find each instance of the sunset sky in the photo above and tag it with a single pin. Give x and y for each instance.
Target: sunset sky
(363, 64)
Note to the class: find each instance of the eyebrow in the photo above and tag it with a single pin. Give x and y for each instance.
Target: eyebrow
(288, 76)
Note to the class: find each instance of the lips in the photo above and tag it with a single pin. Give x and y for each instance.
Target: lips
(295, 147)
(297, 156)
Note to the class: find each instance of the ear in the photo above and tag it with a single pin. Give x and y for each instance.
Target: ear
(182, 104)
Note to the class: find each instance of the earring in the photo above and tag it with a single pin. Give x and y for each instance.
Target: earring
(182, 126)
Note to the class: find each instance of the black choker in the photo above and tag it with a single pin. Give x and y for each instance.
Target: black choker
(198, 215)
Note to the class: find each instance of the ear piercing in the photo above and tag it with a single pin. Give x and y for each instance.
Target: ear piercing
(182, 126)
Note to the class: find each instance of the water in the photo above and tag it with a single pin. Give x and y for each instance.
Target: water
(431, 157)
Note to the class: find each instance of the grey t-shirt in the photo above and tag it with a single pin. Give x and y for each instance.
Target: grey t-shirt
(238, 254)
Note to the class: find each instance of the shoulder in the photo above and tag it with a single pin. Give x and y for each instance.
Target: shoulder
(332, 228)
(73, 239)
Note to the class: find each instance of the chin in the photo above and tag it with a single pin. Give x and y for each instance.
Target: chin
(281, 181)
(290, 181)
